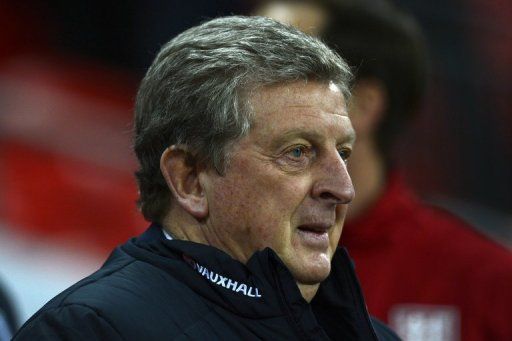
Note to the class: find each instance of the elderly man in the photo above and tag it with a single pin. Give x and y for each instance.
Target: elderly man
(242, 134)
(436, 277)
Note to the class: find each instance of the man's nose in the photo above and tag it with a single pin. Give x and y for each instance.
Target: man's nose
(333, 183)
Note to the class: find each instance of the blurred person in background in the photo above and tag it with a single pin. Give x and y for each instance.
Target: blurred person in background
(427, 273)
(242, 135)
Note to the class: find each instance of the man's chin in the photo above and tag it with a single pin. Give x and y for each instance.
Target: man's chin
(313, 274)
(309, 279)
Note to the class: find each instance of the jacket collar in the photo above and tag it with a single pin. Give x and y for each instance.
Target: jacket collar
(262, 288)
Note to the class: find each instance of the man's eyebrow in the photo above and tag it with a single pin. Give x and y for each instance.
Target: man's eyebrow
(301, 133)
(349, 137)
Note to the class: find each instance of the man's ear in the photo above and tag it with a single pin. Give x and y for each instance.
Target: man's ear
(181, 172)
(367, 106)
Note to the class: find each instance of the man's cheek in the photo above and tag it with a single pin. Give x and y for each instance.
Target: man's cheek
(265, 240)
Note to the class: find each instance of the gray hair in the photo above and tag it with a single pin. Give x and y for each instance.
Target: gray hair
(196, 92)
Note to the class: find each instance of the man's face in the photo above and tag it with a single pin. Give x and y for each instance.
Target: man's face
(286, 185)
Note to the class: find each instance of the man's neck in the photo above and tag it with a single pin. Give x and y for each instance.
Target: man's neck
(368, 175)
(308, 291)
(182, 226)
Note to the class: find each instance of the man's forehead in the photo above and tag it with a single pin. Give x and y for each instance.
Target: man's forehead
(300, 94)
(310, 110)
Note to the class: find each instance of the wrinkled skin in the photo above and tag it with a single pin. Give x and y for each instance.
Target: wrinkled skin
(286, 185)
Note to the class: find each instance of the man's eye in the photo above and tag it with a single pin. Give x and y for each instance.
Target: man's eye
(297, 152)
(345, 153)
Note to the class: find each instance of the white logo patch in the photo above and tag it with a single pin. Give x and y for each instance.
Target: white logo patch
(223, 281)
(425, 322)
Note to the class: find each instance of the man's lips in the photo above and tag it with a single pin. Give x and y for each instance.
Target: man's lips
(315, 227)
(314, 235)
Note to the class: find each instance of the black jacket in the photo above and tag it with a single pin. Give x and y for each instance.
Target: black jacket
(156, 289)
(8, 323)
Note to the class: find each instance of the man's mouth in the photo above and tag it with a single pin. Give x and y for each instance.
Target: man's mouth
(315, 236)
(315, 228)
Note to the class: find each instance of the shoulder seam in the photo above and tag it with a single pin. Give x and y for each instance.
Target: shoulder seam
(63, 300)
(48, 310)
(95, 311)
